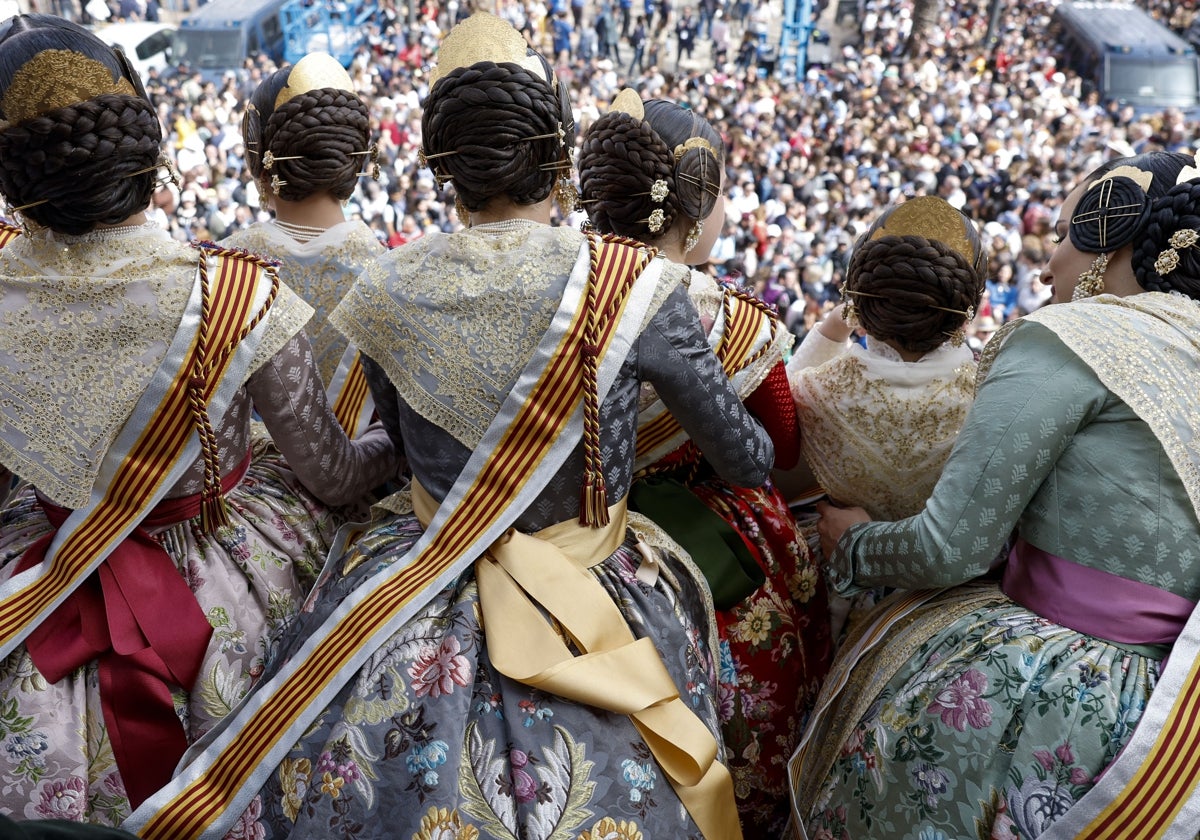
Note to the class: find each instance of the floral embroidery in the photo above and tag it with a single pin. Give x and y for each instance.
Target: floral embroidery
(962, 703)
(248, 826)
(640, 776)
(438, 670)
(61, 800)
(423, 761)
(295, 774)
(610, 829)
(444, 824)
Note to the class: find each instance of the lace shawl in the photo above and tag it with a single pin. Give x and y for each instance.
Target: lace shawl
(321, 271)
(426, 313)
(84, 323)
(877, 430)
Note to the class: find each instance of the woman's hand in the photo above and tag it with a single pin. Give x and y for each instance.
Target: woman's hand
(834, 522)
(833, 326)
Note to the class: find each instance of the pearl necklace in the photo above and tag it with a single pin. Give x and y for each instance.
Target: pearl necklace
(301, 233)
(504, 226)
(104, 234)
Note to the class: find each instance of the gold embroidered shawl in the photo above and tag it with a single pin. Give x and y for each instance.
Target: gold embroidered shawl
(427, 313)
(84, 323)
(877, 430)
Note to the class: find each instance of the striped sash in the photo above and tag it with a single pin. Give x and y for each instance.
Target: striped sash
(204, 366)
(742, 332)
(537, 428)
(350, 395)
(1150, 790)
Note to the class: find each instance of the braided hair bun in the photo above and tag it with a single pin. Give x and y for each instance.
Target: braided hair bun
(628, 160)
(1166, 258)
(317, 137)
(917, 273)
(85, 162)
(495, 130)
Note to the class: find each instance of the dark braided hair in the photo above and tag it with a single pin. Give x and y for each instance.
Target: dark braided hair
(623, 157)
(1110, 217)
(483, 116)
(1178, 210)
(72, 167)
(320, 131)
(902, 285)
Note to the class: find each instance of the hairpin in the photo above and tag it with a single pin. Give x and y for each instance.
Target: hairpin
(1168, 259)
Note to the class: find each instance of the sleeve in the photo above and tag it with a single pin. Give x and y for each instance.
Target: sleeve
(289, 395)
(387, 404)
(772, 403)
(674, 356)
(814, 350)
(1037, 396)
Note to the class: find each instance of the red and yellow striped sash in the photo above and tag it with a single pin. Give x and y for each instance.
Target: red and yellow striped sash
(352, 397)
(1163, 781)
(737, 348)
(8, 233)
(523, 444)
(137, 482)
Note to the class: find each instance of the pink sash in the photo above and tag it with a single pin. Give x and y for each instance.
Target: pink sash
(1091, 601)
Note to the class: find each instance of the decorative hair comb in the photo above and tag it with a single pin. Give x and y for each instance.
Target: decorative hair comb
(485, 37)
(313, 72)
(932, 218)
(54, 79)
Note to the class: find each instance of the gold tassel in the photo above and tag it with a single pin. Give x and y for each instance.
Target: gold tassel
(214, 513)
(593, 506)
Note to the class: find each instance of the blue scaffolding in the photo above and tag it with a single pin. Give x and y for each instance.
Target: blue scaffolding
(794, 39)
(337, 27)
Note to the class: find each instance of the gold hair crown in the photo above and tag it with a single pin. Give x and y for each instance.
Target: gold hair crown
(54, 79)
(933, 218)
(313, 72)
(1139, 176)
(485, 37)
(629, 102)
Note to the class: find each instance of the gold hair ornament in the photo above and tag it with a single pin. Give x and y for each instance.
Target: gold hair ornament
(314, 72)
(372, 153)
(655, 221)
(694, 143)
(1168, 259)
(931, 218)
(1139, 176)
(54, 79)
(485, 37)
(423, 158)
(1188, 173)
(629, 102)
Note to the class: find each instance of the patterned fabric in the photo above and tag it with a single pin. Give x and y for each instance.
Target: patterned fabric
(877, 429)
(775, 644)
(429, 741)
(84, 322)
(996, 720)
(320, 271)
(993, 727)
(94, 309)
(247, 578)
(775, 649)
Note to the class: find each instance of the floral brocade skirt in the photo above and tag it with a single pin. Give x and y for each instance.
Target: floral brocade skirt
(775, 653)
(56, 760)
(429, 742)
(974, 718)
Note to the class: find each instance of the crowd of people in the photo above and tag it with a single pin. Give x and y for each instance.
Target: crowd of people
(982, 114)
(431, 405)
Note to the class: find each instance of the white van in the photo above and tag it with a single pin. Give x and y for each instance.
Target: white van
(147, 45)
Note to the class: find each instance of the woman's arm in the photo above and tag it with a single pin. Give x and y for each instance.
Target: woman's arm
(1037, 395)
(289, 395)
(674, 356)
